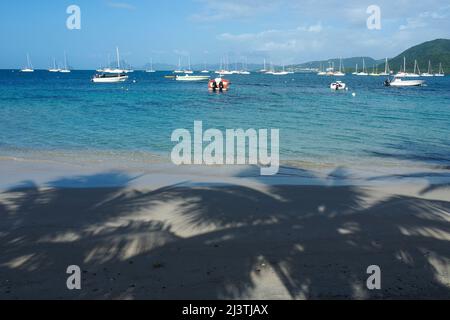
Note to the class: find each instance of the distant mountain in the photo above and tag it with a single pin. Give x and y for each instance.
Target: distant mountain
(349, 63)
(436, 51)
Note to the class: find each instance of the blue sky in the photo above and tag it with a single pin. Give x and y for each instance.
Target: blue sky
(280, 30)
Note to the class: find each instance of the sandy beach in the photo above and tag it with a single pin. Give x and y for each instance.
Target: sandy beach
(173, 233)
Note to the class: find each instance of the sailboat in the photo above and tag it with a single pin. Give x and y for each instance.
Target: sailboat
(178, 70)
(65, 70)
(189, 71)
(280, 73)
(321, 72)
(356, 70)
(151, 70)
(402, 72)
(386, 69)
(264, 69)
(205, 70)
(55, 68)
(118, 69)
(364, 71)
(29, 67)
(441, 71)
(429, 73)
(374, 72)
(416, 72)
(339, 73)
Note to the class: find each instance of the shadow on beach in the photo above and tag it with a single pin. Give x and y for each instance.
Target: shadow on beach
(214, 242)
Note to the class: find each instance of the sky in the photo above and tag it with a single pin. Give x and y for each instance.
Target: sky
(281, 31)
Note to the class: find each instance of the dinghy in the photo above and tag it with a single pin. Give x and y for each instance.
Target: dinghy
(109, 78)
(338, 85)
(398, 82)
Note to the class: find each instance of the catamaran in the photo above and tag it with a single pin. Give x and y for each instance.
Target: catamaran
(55, 68)
(429, 73)
(441, 71)
(29, 67)
(66, 69)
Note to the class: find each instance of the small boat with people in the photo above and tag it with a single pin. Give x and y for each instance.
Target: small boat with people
(218, 85)
(338, 85)
(110, 78)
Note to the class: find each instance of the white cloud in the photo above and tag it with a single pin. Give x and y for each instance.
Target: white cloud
(214, 10)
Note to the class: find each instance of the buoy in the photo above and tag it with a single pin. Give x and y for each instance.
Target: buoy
(134, 81)
(354, 94)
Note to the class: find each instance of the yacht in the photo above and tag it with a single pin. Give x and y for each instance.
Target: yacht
(398, 82)
(109, 78)
(441, 71)
(178, 70)
(189, 71)
(364, 71)
(29, 67)
(66, 69)
(386, 69)
(55, 68)
(339, 73)
(429, 73)
(151, 70)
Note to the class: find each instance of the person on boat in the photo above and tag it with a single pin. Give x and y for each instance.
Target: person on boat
(221, 86)
(214, 86)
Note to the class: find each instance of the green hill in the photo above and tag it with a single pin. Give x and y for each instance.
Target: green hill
(436, 51)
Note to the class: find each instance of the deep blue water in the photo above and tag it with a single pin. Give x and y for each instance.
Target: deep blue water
(66, 112)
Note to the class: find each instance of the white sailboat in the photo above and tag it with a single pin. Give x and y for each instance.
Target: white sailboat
(429, 72)
(321, 72)
(29, 67)
(55, 68)
(356, 70)
(264, 69)
(151, 70)
(374, 72)
(66, 69)
(178, 70)
(364, 71)
(118, 70)
(386, 69)
(441, 71)
(416, 73)
(280, 73)
(340, 73)
(189, 70)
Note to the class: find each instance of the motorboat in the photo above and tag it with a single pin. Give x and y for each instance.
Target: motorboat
(398, 82)
(109, 78)
(338, 85)
(188, 77)
(218, 84)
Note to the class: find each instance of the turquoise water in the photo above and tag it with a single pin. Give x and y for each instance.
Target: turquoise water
(67, 113)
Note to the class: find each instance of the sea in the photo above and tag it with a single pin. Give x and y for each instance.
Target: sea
(49, 115)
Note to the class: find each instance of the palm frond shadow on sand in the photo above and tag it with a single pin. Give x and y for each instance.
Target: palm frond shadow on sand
(208, 242)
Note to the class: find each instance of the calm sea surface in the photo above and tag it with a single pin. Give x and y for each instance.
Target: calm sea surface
(66, 113)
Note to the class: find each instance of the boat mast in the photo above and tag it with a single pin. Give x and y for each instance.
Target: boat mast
(118, 58)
